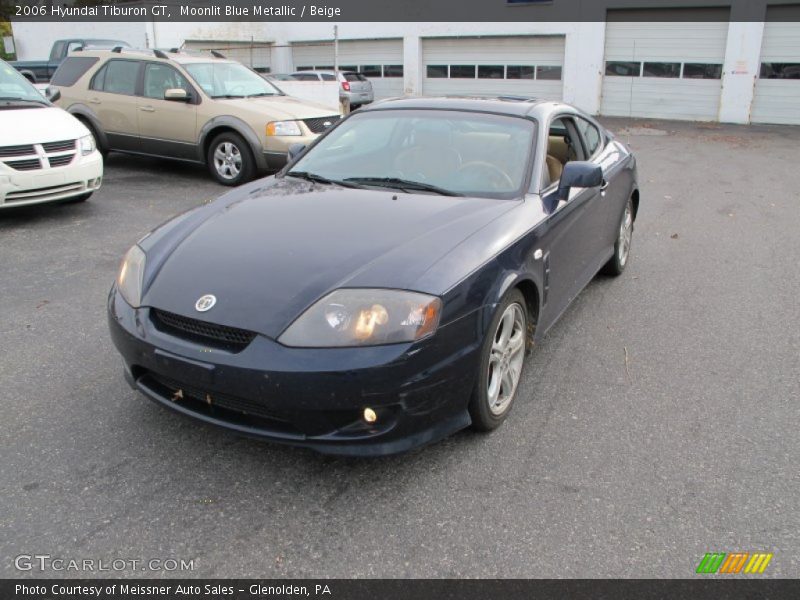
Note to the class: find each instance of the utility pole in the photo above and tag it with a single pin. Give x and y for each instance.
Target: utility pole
(336, 48)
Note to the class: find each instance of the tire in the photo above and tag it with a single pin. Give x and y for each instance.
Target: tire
(492, 399)
(230, 160)
(102, 150)
(622, 247)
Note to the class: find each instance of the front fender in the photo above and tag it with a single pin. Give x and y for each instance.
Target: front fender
(240, 127)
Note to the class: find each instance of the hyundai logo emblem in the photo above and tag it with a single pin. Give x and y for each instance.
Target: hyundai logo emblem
(205, 303)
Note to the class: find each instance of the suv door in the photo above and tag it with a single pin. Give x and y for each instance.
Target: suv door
(167, 127)
(112, 97)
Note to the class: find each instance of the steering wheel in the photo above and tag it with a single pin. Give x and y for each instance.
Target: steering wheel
(498, 178)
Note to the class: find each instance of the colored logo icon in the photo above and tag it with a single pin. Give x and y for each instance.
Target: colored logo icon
(734, 562)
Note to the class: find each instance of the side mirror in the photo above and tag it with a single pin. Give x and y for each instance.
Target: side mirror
(579, 174)
(52, 93)
(176, 95)
(295, 150)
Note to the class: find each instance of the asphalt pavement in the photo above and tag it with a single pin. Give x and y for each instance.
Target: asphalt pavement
(656, 422)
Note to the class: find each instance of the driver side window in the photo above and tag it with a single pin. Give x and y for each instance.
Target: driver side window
(563, 146)
(159, 78)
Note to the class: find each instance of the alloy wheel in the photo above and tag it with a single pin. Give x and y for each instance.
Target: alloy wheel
(228, 160)
(506, 358)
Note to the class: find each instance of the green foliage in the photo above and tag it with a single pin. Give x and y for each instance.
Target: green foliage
(5, 29)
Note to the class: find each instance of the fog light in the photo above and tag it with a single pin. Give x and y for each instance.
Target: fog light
(370, 416)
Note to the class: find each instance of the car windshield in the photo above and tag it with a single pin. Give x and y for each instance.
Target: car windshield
(439, 151)
(15, 88)
(230, 80)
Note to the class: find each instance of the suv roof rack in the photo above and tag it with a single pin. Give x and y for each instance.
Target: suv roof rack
(216, 54)
(159, 54)
(117, 49)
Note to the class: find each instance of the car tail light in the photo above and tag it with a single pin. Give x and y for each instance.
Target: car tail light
(346, 86)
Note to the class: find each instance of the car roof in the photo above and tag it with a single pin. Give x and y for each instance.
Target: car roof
(520, 106)
(172, 55)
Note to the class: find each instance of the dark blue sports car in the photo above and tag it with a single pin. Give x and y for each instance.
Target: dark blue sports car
(382, 291)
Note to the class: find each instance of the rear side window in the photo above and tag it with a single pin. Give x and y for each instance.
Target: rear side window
(72, 69)
(328, 77)
(590, 134)
(117, 77)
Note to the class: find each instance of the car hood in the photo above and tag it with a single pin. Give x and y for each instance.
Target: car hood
(22, 126)
(269, 251)
(281, 107)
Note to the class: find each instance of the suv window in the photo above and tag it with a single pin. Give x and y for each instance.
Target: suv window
(158, 78)
(72, 69)
(590, 134)
(117, 77)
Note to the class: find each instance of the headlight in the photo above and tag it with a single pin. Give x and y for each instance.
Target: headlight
(365, 317)
(131, 273)
(284, 128)
(87, 144)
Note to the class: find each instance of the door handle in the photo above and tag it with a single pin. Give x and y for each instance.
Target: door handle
(94, 100)
(147, 108)
(603, 188)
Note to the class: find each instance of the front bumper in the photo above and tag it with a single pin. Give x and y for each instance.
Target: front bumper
(276, 148)
(305, 396)
(23, 188)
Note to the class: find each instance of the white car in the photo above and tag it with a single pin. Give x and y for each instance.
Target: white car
(46, 154)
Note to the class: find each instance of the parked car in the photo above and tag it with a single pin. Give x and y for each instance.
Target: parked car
(278, 76)
(382, 290)
(40, 71)
(46, 155)
(355, 87)
(201, 109)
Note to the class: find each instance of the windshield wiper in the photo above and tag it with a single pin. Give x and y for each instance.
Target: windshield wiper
(403, 184)
(228, 96)
(16, 99)
(260, 94)
(320, 179)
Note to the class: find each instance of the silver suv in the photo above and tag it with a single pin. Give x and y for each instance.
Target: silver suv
(355, 87)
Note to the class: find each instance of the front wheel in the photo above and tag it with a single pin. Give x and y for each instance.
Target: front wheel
(502, 357)
(622, 248)
(230, 160)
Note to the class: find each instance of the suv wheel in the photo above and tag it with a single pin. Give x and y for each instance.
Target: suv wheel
(230, 160)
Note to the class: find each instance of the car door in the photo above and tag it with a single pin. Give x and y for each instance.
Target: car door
(571, 259)
(112, 97)
(610, 156)
(167, 127)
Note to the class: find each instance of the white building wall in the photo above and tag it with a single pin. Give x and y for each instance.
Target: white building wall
(583, 62)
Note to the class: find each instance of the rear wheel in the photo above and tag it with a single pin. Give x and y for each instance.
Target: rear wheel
(230, 159)
(622, 248)
(502, 357)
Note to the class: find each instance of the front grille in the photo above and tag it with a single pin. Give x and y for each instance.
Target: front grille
(28, 164)
(59, 146)
(216, 399)
(16, 151)
(60, 161)
(319, 125)
(229, 338)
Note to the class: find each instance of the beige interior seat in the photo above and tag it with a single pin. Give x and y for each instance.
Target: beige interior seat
(554, 169)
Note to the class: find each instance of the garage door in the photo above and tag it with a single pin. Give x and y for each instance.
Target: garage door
(381, 61)
(777, 93)
(257, 55)
(494, 66)
(667, 70)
